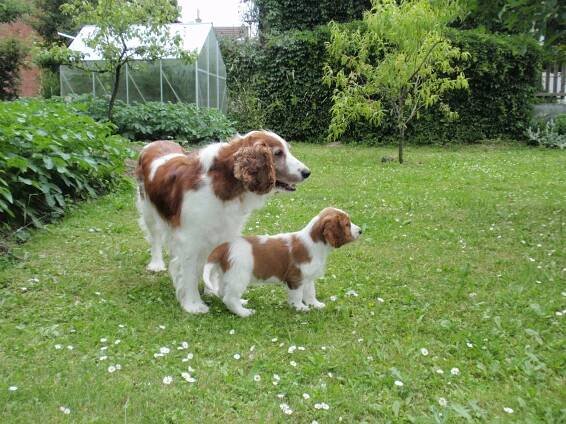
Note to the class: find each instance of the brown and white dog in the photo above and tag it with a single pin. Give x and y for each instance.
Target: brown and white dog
(296, 259)
(193, 201)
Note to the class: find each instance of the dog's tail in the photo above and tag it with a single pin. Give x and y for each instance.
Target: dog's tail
(211, 277)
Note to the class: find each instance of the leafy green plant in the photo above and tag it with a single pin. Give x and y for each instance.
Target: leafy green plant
(50, 154)
(551, 133)
(156, 121)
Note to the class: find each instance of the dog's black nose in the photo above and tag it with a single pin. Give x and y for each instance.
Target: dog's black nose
(361, 231)
(305, 173)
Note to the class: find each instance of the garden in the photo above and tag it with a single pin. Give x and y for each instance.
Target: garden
(448, 309)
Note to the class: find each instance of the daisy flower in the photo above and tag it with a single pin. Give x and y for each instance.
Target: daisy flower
(508, 410)
(424, 351)
(455, 371)
(442, 401)
(167, 379)
(398, 383)
(237, 356)
(257, 378)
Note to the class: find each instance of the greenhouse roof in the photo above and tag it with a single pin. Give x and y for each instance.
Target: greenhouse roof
(193, 36)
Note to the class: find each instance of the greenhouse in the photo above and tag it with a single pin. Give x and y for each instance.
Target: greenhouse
(167, 80)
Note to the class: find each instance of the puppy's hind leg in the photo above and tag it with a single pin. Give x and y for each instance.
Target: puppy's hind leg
(235, 284)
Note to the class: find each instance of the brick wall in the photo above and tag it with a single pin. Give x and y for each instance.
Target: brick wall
(29, 77)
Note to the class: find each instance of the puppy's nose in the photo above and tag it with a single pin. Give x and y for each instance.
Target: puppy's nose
(361, 231)
(305, 173)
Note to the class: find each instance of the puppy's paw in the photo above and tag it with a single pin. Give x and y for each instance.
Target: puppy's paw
(301, 307)
(195, 307)
(317, 305)
(244, 312)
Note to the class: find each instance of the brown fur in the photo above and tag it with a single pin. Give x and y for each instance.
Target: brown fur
(276, 258)
(221, 256)
(171, 180)
(332, 227)
(244, 164)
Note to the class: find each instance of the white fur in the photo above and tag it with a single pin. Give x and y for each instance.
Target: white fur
(206, 221)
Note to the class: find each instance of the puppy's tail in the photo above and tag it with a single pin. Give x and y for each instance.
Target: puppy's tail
(211, 277)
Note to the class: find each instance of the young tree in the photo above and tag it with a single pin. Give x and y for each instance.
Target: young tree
(399, 63)
(126, 31)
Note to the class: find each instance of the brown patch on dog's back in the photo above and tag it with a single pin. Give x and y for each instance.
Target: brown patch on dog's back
(171, 180)
(276, 257)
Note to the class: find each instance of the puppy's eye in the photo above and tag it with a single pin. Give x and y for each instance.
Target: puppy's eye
(278, 153)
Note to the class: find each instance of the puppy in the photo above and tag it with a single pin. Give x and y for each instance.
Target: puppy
(296, 259)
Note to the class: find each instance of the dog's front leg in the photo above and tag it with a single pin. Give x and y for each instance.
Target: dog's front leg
(309, 295)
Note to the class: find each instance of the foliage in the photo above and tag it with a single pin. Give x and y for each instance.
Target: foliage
(156, 120)
(284, 15)
(400, 64)
(49, 155)
(12, 58)
(546, 19)
(462, 254)
(11, 10)
(120, 38)
(47, 20)
(502, 71)
(549, 133)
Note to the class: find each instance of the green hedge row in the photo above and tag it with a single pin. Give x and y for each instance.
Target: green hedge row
(285, 74)
(51, 154)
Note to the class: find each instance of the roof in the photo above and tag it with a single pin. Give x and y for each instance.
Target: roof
(193, 36)
(234, 32)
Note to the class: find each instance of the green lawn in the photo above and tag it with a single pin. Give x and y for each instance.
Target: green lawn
(460, 282)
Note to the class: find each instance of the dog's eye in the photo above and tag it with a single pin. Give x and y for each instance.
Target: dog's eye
(278, 153)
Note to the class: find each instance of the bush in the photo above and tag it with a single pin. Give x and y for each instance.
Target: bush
(503, 74)
(156, 121)
(12, 58)
(548, 133)
(50, 154)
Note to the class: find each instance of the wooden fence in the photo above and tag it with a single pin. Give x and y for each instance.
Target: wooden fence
(554, 81)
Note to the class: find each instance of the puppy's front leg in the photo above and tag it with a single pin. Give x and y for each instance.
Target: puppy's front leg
(295, 299)
(309, 296)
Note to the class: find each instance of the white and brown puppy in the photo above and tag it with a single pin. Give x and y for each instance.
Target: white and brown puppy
(192, 201)
(296, 259)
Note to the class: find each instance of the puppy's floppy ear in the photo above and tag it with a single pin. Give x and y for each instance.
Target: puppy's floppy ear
(335, 230)
(255, 168)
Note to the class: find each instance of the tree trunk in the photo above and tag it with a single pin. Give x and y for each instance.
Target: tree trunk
(401, 140)
(114, 92)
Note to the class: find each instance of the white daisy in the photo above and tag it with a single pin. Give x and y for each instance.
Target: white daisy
(118, 367)
(58, 346)
(322, 405)
(274, 339)
(276, 377)
(333, 298)
(281, 395)
(111, 368)
(164, 350)
(380, 300)
(184, 345)
(104, 348)
(70, 347)
(187, 377)
(252, 348)
(292, 349)
(167, 379)
(232, 332)
(103, 358)
(470, 345)
(306, 396)
(301, 348)
(257, 378)
(442, 401)
(352, 293)
(121, 325)
(237, 356)
(455, 371)
(440, 371)
(508, 410)
(424, 351)
(64, 410)
(13, 388)
(162, 327)
(117, 341)
(398, 383)
(103, 340)
(293, 363)
(158, 355)
(286, 409)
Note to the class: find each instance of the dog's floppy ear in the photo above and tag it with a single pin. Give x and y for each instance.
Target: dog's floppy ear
(335, 230)
(255, 168)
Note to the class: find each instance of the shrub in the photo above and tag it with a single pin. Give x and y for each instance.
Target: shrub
(50, 154)
(155, 120)
(548, 133)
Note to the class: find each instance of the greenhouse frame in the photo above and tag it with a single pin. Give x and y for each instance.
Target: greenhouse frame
(166, 80)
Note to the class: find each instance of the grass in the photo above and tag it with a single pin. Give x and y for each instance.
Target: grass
(463, 254)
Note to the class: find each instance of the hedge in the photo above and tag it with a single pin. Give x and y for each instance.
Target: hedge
(49, 155)
(286, 76)
(284, 15)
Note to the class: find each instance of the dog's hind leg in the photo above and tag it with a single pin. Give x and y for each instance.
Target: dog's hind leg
(152, 225)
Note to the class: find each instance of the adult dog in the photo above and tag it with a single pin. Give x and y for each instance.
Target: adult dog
(194, 201)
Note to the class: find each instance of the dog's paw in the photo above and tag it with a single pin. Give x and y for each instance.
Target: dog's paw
(244, 312)
(156, 267)
(301, 307)
(317, 305)
(244, 302)
(195, 307)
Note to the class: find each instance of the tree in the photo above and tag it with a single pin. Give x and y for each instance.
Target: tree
(12, 51)
(119, 39)
(399, 63)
